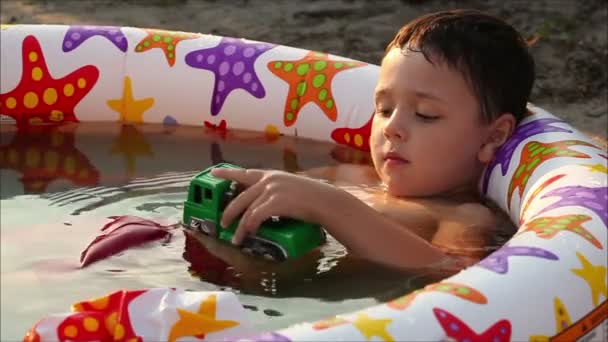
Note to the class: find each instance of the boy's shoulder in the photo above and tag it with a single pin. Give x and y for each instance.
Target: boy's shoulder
(345, 173)
(465, 228)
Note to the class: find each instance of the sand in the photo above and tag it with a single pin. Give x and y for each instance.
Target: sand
(570, 52)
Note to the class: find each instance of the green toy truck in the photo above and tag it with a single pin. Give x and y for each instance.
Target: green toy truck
(276, 239)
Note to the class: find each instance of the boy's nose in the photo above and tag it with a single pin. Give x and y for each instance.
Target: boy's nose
(395, 128)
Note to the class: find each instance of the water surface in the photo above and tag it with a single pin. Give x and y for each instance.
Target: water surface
(59, 186)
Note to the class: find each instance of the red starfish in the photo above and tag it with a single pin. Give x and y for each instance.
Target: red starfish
(460, 331)
(40, 98)
(354, 137)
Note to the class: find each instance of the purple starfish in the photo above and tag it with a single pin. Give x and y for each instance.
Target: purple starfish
(232, 63)
(504, 154)
(594, 199)
(499, 260)
(76, 35)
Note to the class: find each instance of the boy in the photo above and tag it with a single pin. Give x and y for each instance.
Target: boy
(452, 87)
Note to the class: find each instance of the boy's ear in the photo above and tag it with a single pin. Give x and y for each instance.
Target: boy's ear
(499, 131)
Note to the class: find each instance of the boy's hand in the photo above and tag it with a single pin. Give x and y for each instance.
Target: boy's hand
(271, 193)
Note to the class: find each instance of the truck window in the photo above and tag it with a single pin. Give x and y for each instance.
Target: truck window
(208, 194)
(197, 194)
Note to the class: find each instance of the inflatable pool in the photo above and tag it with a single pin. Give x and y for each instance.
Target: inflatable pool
(547, 282)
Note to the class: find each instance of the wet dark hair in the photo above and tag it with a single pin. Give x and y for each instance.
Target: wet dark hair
(491, 55)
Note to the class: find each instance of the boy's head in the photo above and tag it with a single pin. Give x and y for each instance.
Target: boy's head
(452, 87)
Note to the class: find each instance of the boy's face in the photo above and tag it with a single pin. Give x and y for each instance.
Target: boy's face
(427, 130)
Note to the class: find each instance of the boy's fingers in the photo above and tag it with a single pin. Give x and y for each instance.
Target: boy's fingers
(240, 203)
(245, 177)
(261, 212)
(246, 225)
(240, 234)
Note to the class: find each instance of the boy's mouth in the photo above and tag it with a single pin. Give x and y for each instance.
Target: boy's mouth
(394, 158)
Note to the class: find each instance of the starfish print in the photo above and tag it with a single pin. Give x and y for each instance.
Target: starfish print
(367, 326)
(130, 110)
(43, 154)
(310, 80)
(536, 192)
(548, 227)
(354, 137)
(164, 40)
(77, 35)
(106, 316)
(232, 62)
(199, 323)
(580, 328)
(499, 261)
(329, 323)
(39, 98)
(594, 275)
(463, 291)
(534, 154)
(562, 321)
(523, 132)
(597, 168)
(594, 199)
(370, 327)
(132, 144)
(460, 331)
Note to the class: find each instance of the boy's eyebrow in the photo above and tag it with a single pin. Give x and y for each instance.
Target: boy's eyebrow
(428, 96)
(384, 91)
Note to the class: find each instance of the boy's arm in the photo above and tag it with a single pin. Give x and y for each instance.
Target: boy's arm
(368, 234)
(363, 230)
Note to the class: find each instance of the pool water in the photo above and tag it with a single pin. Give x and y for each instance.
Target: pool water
(59, 185)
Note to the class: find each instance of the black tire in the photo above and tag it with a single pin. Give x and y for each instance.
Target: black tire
(266, 249)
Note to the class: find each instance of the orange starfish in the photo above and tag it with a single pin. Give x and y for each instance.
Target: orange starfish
(535, 153)
(165, 40)
(310, 81)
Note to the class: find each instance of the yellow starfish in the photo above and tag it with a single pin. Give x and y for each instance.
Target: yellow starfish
(197, 323)
(373, 327)
(597, 168)
(595, 276)
(130, 110)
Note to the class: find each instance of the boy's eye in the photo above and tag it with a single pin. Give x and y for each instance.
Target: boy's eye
(426, 117)
(384, 112)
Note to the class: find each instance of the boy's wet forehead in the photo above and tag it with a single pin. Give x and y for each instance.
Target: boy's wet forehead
(411, 73)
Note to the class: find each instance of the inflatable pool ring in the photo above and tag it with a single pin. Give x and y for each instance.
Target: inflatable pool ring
(547, 281)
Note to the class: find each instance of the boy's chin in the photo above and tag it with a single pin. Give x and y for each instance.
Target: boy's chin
(397, 190)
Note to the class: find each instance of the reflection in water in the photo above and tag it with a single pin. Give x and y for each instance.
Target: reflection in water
(320, 274)
(42, 154)
(131, 143)
(346, 155)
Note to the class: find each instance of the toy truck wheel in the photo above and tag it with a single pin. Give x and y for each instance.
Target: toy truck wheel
(264, 248)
